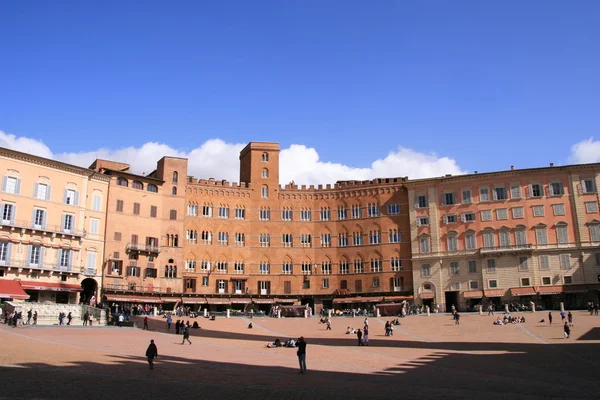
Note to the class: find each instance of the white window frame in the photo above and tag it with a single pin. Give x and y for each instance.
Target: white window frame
(591, 207)
(466, 196)
(518, 212)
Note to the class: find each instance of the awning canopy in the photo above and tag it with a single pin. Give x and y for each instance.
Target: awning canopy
(241, 300)
(577, 288)
(369, 299)
(473, 294)
(345, 300)
(51, 286)
(397, 298)
(12, 290)
(133, 299)
(263, 301)
(218, 300)
(494, 292)
(547, 290)
(194, 300)
(427, 295)
(523, 291)
(286, 301)
(170, 299)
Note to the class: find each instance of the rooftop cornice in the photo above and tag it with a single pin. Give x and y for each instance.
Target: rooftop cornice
(46, 162)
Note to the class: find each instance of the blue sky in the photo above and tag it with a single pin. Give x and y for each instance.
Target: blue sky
(488, 84)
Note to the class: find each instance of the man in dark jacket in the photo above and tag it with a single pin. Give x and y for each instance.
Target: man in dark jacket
(151, 354)
(301, 345)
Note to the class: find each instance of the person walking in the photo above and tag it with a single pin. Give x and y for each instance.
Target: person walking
(61, 318)
(35, 316)
(29, 314)
(301, 345)
(360, 335)
(151, 353)
(69, 318)
(169, 322)
(366, 336)
(491, 309)
(186, 335)
(366, 321)
(145, 324)
(328, 325)
(567, 330)
(86, 318)
(121, 319)
(563, 315)
(550, 318)
(457, 319)
(570, 318)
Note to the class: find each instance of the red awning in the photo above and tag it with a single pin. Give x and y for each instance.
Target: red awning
(51, 286)
(12, 290)
(132, 299)
(427, 295)
(494, 292)
(546, 290)
(194, 300)
(240, 300)
(346, 300)
(263, 301)
(473, 294)
(218, 301)
(369, 299)
(523, 291)
(170, 299)
(286, 301)
(397, 298)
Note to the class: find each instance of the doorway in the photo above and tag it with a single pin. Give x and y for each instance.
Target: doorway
(307, 300)
(90, 287)
(451, 300)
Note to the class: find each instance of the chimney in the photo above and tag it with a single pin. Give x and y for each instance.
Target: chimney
(512, 167)
(475, 171)
(552, 164)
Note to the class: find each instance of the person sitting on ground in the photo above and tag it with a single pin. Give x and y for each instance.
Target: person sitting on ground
(290, 343)
(276, 343)
(213, 317)
(397, 322)
(195, 326)
(498, 322)
(348, 330)
(250, 325)
(542, 321)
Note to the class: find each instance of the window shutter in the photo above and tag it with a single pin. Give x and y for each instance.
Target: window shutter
(35, 190)
(58, 256)
(48, 191)
(9, 253)
(443, 199)
(529, 191)
(65, 196)
(13, 214)
(4, 179)
(494, 194)
(42, 251)
(73, 226)
(551, 189)
(44, 215)
(28, 259)
(76, 201)
(62, 223)
(18, 187)
(445, 219)
(33, 218)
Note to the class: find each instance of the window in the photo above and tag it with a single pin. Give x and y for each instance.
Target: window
(448, 199)
(559, 209)
(223, 238)
(305, 215)
(136, 208)
(452, 242)
(473, 285)
(342, 213)
(470, 242)
(286, 268)
(524, 281)
(544, 262)
(35, 255)
(305, 240)
(238, 267)
(422, 221)
(376, 282)
(191, 236)
(520, 237)
(264, 214)
(239, 239)
(591, 207)
(454, 268)
(190, 265)
(41, 191)
(358, 267)
(286, 214)
(398, 283)
(488, 239)
(568, 280)
(205, 266)
(546, 280)
(500, 193)
(286, 240)
(455, 286)
(264, 240)
(343, 239)
(71, 197)
(64, 258)
(562, 236)
(556, 189)
(326, 240)
(174, 191)
(501, 214)
(394, 236)
(472, 266)
(422, 202)
(264, 268)
(449, 219)
(325, 214)
(344, 267)
(173, 215)
(538, 211)
(68, 223)
(588, 186)
(344, 284)
(152, 188)
(170, 271)
(373, 210)
(326, 268)
(374, 237)
(137, 185)
(240, 213)
(491, 265)
(518, 212)
(207, 211)
(523, 266)
(426, 270)
(97, 202)
(468, 217)
(393, 209)
(424, 245)
(94, 226)
(39, 219)
(484, 194)
(11, 185)
(192, 210)
(119, 205)
(325, 283)
(153, 211)
(541, 236)
(264, 192)
(356, 211)
(223, 212)
(536, 190)
(486, 215)
(222, 267)
(396, 264)
(376, 265)
(357, 238)
(306, 268)
(493, 284)
(265, 173)
(175, 177)
(265, 157)
(515, 191)
(466, 196)
(8, 213)
(595, 232)
(504, 236)
(206, 237)
(565, 261)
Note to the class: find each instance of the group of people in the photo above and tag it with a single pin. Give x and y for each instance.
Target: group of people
(509, 319)
(389, 327)
(278, 343)
(13, 318)
(301, 353)
(592, 308)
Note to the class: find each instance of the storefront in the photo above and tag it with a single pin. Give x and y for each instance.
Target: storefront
(473, 299)
(494, 297)
(53, 292)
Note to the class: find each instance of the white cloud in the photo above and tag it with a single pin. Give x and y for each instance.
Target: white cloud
(220, 160)
(586, 151)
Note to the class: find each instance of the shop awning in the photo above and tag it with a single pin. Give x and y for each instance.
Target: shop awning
(369, 299)
(473, 294)
(263, 301)
(194, 300)
(523, 291)
(133, 299)
(286, 301)
(397, 298)
(170, 299)
(547, 290)
(51, 286)
(240, 300)
(427, 295)
(576, 288)
(345, 300)
(12, 290)
(218, 301)
(494, 292)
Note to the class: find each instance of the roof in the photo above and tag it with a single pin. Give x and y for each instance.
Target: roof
(10, 289)
(129, 174)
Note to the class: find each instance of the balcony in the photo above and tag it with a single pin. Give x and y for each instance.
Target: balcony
(126, 288)
(507, 249)
(142, 248)
(88, 271)
(42, 266)
(53, 229)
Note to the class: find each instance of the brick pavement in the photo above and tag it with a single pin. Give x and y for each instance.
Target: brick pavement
(427, 357)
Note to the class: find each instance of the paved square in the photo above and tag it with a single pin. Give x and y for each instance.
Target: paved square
(428, 357)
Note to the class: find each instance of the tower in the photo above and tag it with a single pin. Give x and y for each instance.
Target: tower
(259, 165)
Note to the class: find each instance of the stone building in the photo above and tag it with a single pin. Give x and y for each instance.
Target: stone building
(516, 236)
(52, 220)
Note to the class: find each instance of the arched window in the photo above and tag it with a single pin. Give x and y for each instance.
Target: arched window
(264, 192)
(175, 176)
(122, 181)
(137, 185)
(174, 191)
(265, 173)
(152, 188)
(265, 157)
